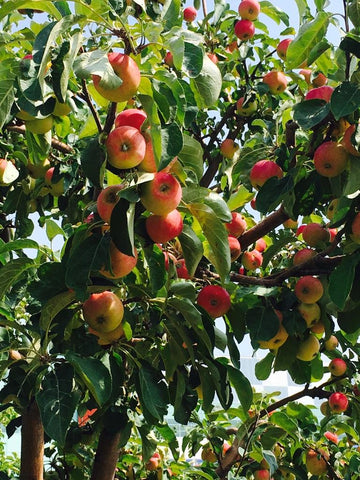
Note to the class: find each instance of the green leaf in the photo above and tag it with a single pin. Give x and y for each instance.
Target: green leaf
(171, 144)
(54, 306)
(341, 280)
(57, 401)
(207, 85)
(350, 44)
(240, 198)
(345, 99)
(285, 422)
(192, 248)
(170, 13)
(263, 367)
(16, 245)
(193, 59)
(156, 262)
(170, 438)
(262, 323)
(11, 5)
(274, 13)
(311, 112)
(242, 387)
(272, 193)
(93, 161)
(191, 155)
(152, 391)
(96, 62)
(94, 374)
(53, 229)
(8, 71)
(349, 321)
(122, 226)
(12, 272)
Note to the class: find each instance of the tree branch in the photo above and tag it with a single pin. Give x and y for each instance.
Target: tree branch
(56, 144)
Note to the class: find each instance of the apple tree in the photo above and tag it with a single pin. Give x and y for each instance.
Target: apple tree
(203, 175)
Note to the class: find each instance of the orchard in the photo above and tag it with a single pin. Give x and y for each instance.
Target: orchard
(203, 176)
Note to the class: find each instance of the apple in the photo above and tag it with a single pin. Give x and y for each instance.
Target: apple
(331, 210)
(262, 474)
(282, 47)
(355, 229)
(325, 409)
(181, 269)
(225, 447)
(309, 289)
(252, 259)
(215, 300)
(169, 257)
(290, 223)
(316, 461)
(56, 189)
(315, 235)
(169, 59)
(228, 148)
(310, 312)
(8, 172)
(190, 14)
(260, 245)
(307, 74)
(162, 194)
(148, 164)
(331, 343)
(338, 402)
(332, 437)
(213, 57)
(303, 255)
(125, 147)
(237, 226)
(308, 349)
(319, 80)
(322, 93)
(262, 171)
(276, 81)
(276, 341)
(40, 125)
(208, 455)
(162, 228)
(248, 109)
(107, 200)
(244, 29)
(337, 367)
(121, 264)
(249, 9)
(131, 117)
(107, 338)
(232, 46)
(103, 311)
(330, 159)
(235, 248)
(318, 329)
(153, 463)
(347, 141)
(38, 170)
(22, 115)
(61, 109)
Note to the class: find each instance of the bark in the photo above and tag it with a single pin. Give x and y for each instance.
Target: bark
(107, 455)
(32, 444)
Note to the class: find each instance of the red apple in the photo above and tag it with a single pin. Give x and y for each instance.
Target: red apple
(107, 200)
(260, 245)
(262, 171)
(121, 264)
(232, 46)
(213, 57)
(332, 437)
(246, 110)
(347, 141)
(181, 269)
(190, 14)
(319, 80)
(316, 462)
(262, 474)
(338, 402)
(303, 255)
(331, 343)
(309, 289)
(235, 248)
(103, 311)
(244, 29)
(315, 235)
(153, 463)
(276, 81)
(252, 260)
(162, 228)
(228, 148)
(56, 189)
(215, 300)
(249, 9)
(125, 147)
(330, 159)
(162, 194)
(307, 74)
(132, 117)
(237, 226)
(322, 93)
(355, 229)
(128, 71)
(337, 367)
(282, 47)
(169, 59)
(148, 164)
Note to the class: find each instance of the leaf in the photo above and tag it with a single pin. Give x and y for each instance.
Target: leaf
(193, 62)
(242, 387)
(263, 323)
(156, 263)
(272, 193)
(311, 112)
(263, 367)
(341, 280)
(8, 71)
(191, 155)
(349, 321)
(350, 44)
(93, 161)
(94, 374)
(10, 6)
(53, 229)
(274, 13)
(171, 13)
(238, 199)
(152, 391)
(207, 85)
(122, 226)
(12, 272)
(96, 62)
(54, 306)
(20, 244)
(345, 99)
(192, 248)
(170, 438)
(171, 144)
(57, 401)
(285, 422)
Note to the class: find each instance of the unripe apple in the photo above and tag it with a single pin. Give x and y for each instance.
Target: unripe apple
(235, 248)
(103, 311)
(244, 29)
(315, 235)
(228, 148)
(249, 9)
(332, 437)
(330, 159)
(355, 229)
(262, 171)
(107, 200)
(318, 329)
(290, 223)
(282, 47)
(316, 462)
(61, 109)
(246, 110)
(276, 81)
(128, 71)
(260, 245)
(331, 343)
(8, 172)
(325, 409)
(262, 474)
(252, 260)
(338, 402)
(125, 147)
(215, 300)
(331, 210)
(162, 194)
(277, 340)
(162, 228)
(56, 189)
(107, 338)
(309, 289)
(190, 14)
(40, 125)
(303, 255)
(310, 312)
(38, 170)
(347, 141)
(121, 264)
(131, 117)
(308, 349)
(322, 93)
(337, 367)
(237, 226)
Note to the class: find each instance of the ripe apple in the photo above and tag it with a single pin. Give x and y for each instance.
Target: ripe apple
(181, 269)
(248, 109)
(316, 461)
(308, 349)
(213, 57)
(332, 437)
(131, 117)
(282, 47)
(103, 311)
(121, 264)
(128, 71)
(107, 200)
(309, 289)
(153, 463)
(232, 46)
(162, 228)
(330, 159)
(38, 170)
(315, 235)
(331, 343)
(322, 93)
(215, 300)
(252, 260)
(318, 329)
(208, 455)
(125, 147)
(310, 312)
(262, 474)
(262, 171)
(244, 29)
(337, 367)
(190, 14)
(228, 148)
(307, 74)
(319, 80)
(162, 194)
(148, 164)
(347, 141)
(235, 248)
(276, 81)
(338, 402)
(39, 125)
(169, 59)
(303, 255)
(237, 226)
(56, 189)
(355, 229)
(8, 172)
(225, 447)
(260, 245)
(249, 9)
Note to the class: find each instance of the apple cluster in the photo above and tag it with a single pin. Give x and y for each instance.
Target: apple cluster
(249, 11)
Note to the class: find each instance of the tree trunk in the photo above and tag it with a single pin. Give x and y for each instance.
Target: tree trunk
(107, 455)
(32, 444)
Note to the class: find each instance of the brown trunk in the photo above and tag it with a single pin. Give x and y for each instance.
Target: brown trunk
(107, 455)
(32, 444)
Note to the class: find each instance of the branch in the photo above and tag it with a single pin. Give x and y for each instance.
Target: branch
(86, 97)
(56, 144)
(110, 118)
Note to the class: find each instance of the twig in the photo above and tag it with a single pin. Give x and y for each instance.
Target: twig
(86, 97)
(56, 144)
